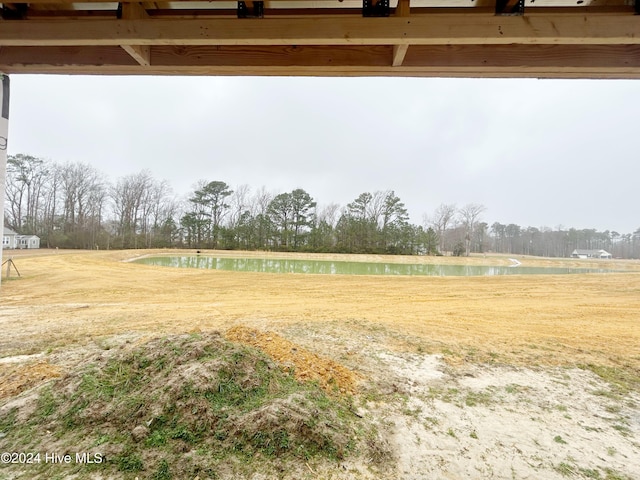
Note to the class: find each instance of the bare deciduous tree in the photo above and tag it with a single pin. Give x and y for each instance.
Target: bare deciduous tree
(442, 218)
(469, 217)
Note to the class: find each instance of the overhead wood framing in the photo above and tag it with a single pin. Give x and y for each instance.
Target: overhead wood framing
(462, 38)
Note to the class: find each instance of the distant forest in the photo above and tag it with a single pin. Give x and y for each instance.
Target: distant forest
(74, 205)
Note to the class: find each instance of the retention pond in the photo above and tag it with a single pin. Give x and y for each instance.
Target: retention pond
(330, 267)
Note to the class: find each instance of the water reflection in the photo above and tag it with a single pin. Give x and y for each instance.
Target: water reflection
(350, 268)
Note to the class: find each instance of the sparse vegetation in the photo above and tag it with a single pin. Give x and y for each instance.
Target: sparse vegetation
(611, 474)
(478, 398)
(152, 403)
(622, 379)
(565, 469)
(559, 439)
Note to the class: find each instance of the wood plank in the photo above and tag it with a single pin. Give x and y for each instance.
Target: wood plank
(28, 57)
(180, 56)
(459, 29)
(140, 53)
(388, 71)
(277, 56)
(403, 9)
(525, 60)
(525, 56)
(399, 51)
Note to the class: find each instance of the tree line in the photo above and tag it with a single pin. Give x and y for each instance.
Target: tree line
(74, 205)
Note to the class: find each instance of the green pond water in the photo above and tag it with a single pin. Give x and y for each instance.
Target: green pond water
(349, 268)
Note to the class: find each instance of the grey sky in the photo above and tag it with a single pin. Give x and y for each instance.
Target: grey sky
(534, 152)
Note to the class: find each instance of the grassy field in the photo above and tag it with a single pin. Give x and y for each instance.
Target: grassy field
(70, 297)
(82, 301)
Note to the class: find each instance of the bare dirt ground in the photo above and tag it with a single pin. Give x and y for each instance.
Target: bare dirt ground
(482, 377)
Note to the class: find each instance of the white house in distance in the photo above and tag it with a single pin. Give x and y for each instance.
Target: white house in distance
(578, 253)
(11, 239)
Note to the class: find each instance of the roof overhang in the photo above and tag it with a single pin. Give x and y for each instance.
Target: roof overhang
(456, 38)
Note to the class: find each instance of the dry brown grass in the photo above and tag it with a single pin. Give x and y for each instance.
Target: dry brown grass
(67, 298)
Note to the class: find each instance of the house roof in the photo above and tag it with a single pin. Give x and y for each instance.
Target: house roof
(8, 231)
(579, 251)
(456, 38)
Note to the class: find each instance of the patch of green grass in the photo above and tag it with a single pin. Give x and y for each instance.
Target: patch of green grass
(8, 420)
(430, 422)
(157, 438)
(592, 429)
(622, 380)
(559, 439)
(611, 474)
(512, 388)
(451, 433)
(565, 469)
(623, 429)
(129, 462)
(47, 404)
(412, 412)
(613, 408)
(163, 472)
(478, 398)
(102, 439)
(183, 432)
(474, 435)
(605, 393)
(590, 473)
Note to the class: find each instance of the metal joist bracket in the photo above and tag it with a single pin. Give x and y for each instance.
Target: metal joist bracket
(250, 9)
(375, 8)
(509, 7)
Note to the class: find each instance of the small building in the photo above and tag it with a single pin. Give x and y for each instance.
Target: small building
(579, 253)
(9, 238)
(13, 240)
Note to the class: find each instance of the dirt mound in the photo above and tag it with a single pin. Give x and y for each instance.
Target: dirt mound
(188, 406)
(306, 366)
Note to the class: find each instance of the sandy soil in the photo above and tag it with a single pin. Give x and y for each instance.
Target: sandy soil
(471, 377)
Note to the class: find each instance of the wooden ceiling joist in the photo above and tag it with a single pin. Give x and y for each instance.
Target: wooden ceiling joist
(400, 50)
(429, 30)
(140, 53)
(597, 40)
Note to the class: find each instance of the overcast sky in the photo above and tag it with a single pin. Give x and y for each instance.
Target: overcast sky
(533, 152)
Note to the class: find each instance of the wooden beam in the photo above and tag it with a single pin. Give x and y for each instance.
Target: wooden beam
(388, 71)
(399, 51)
(461, 29)
(485, 61)
(140, 53)
(403, 9)
(180, 56)
(525, 57)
